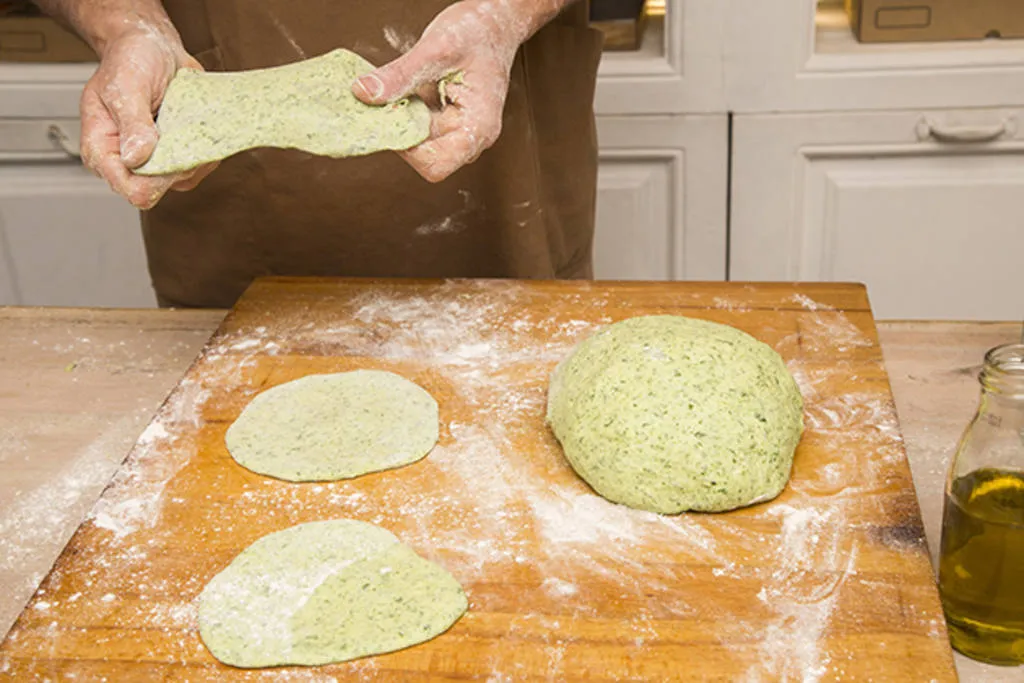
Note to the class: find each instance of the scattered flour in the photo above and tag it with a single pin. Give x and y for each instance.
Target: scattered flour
(399, 40)
(490, 512)
(135, 497)
(559, 588)
(809, 303)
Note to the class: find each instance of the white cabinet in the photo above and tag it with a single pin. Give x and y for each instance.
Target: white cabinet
(800, 55)
(67, 240)
(679, 68)
(661, 211)
(926, 208)
(42, 90)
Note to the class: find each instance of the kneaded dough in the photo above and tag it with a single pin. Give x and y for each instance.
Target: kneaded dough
(337, 426)
(325, 592)
(308, 105)
(668, 414)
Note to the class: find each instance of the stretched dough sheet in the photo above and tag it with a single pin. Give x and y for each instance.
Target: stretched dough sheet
(307, 105)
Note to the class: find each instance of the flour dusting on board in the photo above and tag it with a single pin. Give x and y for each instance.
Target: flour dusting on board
(134, 499)
(492, 513)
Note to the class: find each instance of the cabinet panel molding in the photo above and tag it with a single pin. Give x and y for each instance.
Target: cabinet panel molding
(638, 207)
(935, 230)
(679, 69)
(662, 197)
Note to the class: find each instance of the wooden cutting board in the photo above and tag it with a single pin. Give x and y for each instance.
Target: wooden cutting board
(831, 581)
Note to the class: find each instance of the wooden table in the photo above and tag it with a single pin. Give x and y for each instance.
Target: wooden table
(75, 384)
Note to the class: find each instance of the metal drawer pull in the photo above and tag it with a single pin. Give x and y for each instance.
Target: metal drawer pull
(961, 134)
(64, 141)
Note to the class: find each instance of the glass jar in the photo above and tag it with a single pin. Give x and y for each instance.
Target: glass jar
(981, 564)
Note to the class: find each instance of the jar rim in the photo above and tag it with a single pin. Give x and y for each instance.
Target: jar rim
(1004, 369)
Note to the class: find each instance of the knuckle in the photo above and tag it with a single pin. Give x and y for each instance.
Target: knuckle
(110, 91)
(89, 162)
(435, 176)
(491, 132)
(141, 197)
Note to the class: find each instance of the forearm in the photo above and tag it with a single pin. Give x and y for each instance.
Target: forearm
(100, 22)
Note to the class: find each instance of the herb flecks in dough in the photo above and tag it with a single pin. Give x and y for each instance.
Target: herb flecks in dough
(308, 105)
(336, 426)
(325, 592)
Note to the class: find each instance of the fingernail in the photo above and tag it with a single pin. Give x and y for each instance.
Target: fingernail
(130, 148)
(371, 86)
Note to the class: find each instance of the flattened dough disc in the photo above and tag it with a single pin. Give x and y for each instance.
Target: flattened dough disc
(325, 592)
(307, 105)
(337, 426)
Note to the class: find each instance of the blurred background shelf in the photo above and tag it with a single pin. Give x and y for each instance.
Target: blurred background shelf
(833, 37)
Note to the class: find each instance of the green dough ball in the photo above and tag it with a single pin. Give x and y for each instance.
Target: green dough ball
(325, 592)
(668, 414)
(339, 426)
(307, 105)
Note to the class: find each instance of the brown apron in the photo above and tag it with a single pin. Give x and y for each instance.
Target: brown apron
(524, 210)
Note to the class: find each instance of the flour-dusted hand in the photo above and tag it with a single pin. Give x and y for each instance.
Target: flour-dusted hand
(470, 46)
(118, 103)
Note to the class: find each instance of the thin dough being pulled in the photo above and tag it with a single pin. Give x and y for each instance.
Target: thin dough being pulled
(307, 105)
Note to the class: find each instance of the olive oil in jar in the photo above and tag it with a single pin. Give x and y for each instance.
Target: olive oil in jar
(981, 563)
(981, 566)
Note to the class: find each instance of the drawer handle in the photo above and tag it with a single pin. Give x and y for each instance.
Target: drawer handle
(64, 141)
(964, 134)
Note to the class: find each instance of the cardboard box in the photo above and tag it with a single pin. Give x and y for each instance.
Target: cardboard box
(40, 39)
(621, 21)
(879, 21)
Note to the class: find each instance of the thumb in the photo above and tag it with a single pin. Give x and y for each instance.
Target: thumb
(129, 107)
(402, 77)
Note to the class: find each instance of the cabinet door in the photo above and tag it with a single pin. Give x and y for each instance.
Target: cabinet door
(926, 208)
(678, 68)
(67, 240)
(661, 206)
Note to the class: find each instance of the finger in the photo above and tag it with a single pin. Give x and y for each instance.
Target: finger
(430, 95)
(141, 191)
(425, 63)
(192, 180)
(101, 153)
(129, 97)
(438, 159)
(445, 122)
(99, 133)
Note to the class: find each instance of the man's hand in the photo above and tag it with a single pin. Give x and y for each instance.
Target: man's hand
(118, 132)
(476, 39)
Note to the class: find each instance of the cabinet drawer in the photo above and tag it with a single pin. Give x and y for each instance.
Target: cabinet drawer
(39, 139)
(926, 208)
(67, 240)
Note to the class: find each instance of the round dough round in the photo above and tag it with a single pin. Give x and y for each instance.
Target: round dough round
(339, 426)
(325, 592)
(668, 414)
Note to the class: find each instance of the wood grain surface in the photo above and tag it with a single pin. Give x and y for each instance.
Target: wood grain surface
(830, 581)
(77, 387)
